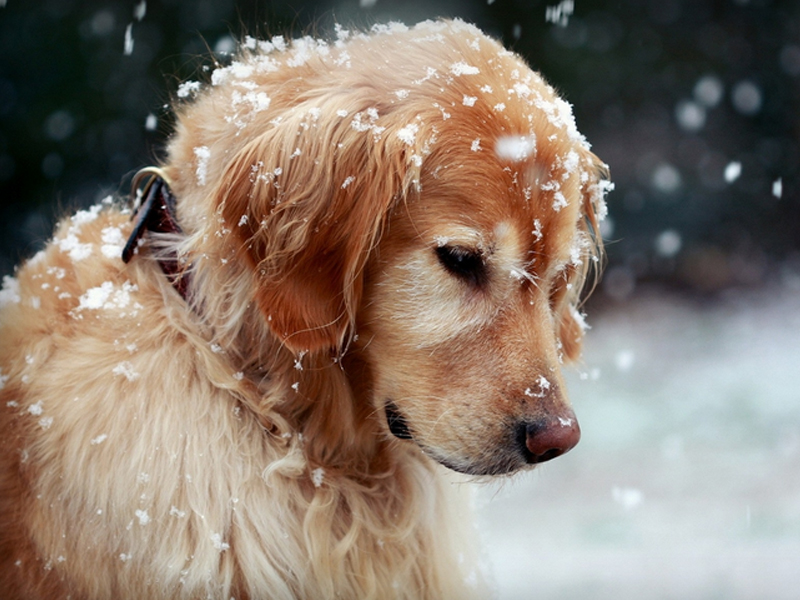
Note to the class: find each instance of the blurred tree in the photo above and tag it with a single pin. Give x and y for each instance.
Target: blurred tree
(693, 103)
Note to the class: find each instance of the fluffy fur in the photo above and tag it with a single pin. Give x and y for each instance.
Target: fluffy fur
(400, 219)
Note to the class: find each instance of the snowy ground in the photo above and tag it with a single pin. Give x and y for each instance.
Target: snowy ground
(686, 483)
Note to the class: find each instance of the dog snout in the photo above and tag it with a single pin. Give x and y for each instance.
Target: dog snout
(547, 438)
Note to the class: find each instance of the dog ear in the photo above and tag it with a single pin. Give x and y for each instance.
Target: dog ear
(582, 276)
(305, 202)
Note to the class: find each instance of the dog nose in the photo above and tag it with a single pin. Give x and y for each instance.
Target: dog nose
(545, 439)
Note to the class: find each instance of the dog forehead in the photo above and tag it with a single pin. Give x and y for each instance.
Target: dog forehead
(484, 189)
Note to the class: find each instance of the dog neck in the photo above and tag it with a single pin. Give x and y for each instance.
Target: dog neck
(319, 387)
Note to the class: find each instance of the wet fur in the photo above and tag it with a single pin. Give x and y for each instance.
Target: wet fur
(236, 445)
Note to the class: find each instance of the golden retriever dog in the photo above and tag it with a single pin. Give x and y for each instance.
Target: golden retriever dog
(356, 271)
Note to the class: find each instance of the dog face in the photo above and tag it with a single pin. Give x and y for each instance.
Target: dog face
(424, 200)
(468, 315)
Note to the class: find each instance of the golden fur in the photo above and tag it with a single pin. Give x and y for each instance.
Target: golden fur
(237, 445)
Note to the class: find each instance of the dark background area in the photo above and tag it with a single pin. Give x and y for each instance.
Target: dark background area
(672, 94)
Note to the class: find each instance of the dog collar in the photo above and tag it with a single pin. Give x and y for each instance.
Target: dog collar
(155, 212)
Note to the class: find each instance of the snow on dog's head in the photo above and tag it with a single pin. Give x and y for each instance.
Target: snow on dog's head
(325, 176)
(515, 148)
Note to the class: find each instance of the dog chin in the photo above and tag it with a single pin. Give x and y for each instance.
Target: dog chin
(508, 466)
(400, 429)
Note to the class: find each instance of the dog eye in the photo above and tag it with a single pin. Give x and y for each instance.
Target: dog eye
(465, 264)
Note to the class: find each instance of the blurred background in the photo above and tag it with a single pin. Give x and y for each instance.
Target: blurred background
(687, 482)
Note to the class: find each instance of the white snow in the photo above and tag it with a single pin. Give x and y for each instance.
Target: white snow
(96, 297)
(732, 171)
(140, 10)
(684, 483)
(342, 34)
(125, 369)
(666, 178)
(747, 97)
(543, 385)
(599, 193)
(128, 48)
(628, 498)
(279, 43)
(236, 70)
(57, 272)
(225, 45)
(570, 164)
(537, 229)
(408, 133)
(430, 73)
(107, 296)
(143, 517)
(668, 243)
(188, 89)
(441, 241)
(390, 28)
(624, 360)
(777, 190)
(99, 439)
(709, 90)
(559, 201)
(318, 476)
(216, 540)
(82, 217)
(462, 68)
(580, 318)
(298, 362)
(255, 101)
(515, 148)
(151, 122)
(367, 121)
(203, 155)
(113, 242)
(76, 250)
(560, 13)
(690, 115)
(10, 293)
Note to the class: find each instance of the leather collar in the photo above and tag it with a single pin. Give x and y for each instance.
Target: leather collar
(155, 212)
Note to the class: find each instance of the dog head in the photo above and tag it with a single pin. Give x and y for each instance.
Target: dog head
(422, 198)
